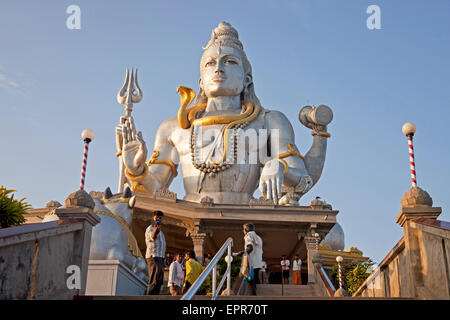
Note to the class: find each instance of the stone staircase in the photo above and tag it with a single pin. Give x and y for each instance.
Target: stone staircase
(263, 291)
(287, 290)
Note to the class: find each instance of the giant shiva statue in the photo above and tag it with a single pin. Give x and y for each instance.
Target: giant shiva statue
(226, 143)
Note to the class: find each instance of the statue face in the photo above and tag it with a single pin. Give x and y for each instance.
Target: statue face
(222, 72)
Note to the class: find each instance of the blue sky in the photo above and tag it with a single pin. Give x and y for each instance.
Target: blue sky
(54, 82)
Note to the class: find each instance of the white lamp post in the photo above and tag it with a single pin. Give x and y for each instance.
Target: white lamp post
(87, 135)
(408, 130)
(316, 235)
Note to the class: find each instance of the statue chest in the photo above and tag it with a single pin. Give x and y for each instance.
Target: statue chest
(216, 143)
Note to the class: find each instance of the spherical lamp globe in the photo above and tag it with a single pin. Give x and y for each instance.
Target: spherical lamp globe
(409, 128)
(87, 135)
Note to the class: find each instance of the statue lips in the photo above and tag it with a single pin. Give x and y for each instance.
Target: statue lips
(219, 79)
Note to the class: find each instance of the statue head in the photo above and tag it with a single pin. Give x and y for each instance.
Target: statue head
(224, 67)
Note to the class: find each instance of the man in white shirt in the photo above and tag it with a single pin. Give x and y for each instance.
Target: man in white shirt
(253, 246)
(176, 275)
(156, 251)
(262, 273)
(296, 270)
(285, 269)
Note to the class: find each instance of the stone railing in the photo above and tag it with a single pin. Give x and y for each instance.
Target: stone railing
(418, 265)
(323, 284)
(47, 260)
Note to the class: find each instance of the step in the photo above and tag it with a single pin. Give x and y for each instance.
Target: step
(278, 290)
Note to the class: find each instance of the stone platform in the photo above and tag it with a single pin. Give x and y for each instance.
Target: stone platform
(205, 226)
(111, 278)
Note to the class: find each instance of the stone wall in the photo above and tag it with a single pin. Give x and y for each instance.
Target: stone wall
(417, 267)
(34, 258)
(324, 286)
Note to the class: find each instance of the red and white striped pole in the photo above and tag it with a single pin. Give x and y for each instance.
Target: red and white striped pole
(339, 259)
(409, 129)
(87, 135)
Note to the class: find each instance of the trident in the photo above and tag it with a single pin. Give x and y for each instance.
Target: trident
(129, 93)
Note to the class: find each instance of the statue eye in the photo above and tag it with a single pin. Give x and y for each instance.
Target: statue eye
(231, 62)
(210, 63)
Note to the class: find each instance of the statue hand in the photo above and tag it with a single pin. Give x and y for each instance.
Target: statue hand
(134, 150)
(314, 126)
(119, 130)
(271, 180)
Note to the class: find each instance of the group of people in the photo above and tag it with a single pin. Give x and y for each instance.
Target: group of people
(179, 280)
(169, 259)
(296, 270)
(184, 269)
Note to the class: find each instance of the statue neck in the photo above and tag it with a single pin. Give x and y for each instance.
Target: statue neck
(223, 103)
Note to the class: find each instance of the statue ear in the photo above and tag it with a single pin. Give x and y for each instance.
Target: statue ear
(200, 83)
(248, 80)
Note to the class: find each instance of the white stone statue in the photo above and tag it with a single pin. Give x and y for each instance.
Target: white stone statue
(222, 141)
(112, 238)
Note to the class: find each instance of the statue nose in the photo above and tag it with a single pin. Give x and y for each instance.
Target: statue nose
(219, 67)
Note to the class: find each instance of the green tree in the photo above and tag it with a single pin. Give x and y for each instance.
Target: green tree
(353, 275)
(11, 210)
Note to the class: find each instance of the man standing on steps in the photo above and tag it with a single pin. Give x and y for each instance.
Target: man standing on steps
(296, 270)
(193, 270)
(285, 269)
(253, 246)
(176, 275)
(156, 250)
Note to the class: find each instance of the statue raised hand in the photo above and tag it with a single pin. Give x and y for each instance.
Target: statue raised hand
(134, 150)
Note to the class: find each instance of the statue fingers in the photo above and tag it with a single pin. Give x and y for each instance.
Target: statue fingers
(262, 187)
(125, 134)
(274, 190)
(123, 119)
(140, 138)
(133, 131)
(269, 190)
(119, 140)
(130, 135)
(131, 120)
(279, 183)
(119, 133)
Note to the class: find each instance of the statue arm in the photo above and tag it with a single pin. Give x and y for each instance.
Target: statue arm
(285, 166)
(284, 150)
(315, 157)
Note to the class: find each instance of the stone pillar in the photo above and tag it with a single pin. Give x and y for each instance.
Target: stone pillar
(79, 207)
(416, 203)
(311, 255)
(199, 241)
